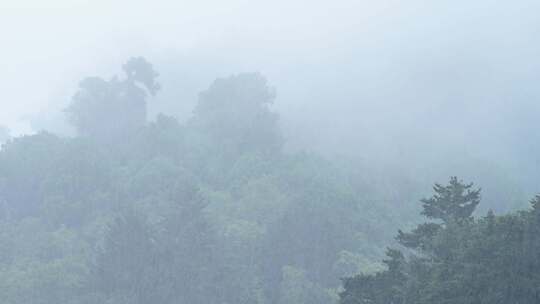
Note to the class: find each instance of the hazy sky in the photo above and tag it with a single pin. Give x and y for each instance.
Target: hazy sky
(432, 88)
(49, 45)
(400, 69)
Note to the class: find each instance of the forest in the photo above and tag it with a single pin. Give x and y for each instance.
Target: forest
(216, 209)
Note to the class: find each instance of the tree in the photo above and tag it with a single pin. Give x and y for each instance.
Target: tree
(160, 249)
(493, 259)
(126, 269)
(23, 170)
(4, 134)
(452, 203)
(377, 288)
(431, 269)
(138, 70)
(108, 110)
(455, 201)
(297, 288)
(235, 113)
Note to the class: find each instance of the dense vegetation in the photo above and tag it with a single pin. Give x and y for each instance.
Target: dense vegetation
(456, 258)
(207, 211)
(215, 210)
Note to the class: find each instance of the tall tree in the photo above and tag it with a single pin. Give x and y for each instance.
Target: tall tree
(108, 110)
(235, 112)
(455, 201)
(433, 272)
(451, 203)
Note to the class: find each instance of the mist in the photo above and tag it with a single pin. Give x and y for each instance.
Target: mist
(263, 109)
(397, 75)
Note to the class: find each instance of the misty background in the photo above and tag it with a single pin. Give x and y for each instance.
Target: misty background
(415, 90)
(276, 152)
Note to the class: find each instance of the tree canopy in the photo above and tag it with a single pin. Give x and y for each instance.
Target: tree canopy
(492, 259)
(215, 209)
(109, 109)
(210, 210)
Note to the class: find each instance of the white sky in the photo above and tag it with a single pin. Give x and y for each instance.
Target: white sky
(47, 46)
(404, 81)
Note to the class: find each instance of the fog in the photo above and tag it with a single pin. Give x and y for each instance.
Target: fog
(396, 92)
(371, 79)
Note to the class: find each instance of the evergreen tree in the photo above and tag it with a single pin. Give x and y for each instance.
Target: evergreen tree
(459, 260)
(453, 202)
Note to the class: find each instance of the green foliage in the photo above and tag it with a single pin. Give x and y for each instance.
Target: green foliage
(297, 288)
(453, 202)
(213, 210)
(207, 211)
(493, 259)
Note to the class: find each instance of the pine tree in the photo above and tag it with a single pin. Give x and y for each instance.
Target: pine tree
(453, 202)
